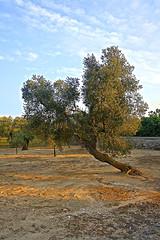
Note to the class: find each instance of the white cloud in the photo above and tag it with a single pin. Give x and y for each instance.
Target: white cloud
(70, 11)
(86, 38)
(56, 6)
(63, 72)
(31, 56)
(157, 11)
(146, 64)
(135, 4)
(134, 40)
(25, 54)
(39, 17)
(114, 20)
(39, 24)
(150, 27)
(55, 18)
(19, 2)
(82, 31)
(1, 58)
(9, 58)
(18, 53)
(54, 53)
(5, 15)
(42, 18)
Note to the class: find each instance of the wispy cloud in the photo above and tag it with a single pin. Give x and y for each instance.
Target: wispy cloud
(150, 27)
(7, 57)
(147, 65)
(41, 17)
(70, 10)
(111, 19)
(51, 20)
(19, 55)
(1, 57)
(19, 2)
(32, 56)
(54, 53)
(135, 4)
(63, 72)
(40, 13)
(57, 35)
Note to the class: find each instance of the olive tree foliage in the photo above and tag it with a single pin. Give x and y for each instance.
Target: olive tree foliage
(17, 140)
(49, 106)
(113, 106)
(111, 94)
(20, 129)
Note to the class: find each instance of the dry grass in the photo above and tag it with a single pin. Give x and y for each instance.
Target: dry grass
(19, 156)
(83, 193)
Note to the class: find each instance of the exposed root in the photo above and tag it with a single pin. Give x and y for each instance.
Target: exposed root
(134, 172)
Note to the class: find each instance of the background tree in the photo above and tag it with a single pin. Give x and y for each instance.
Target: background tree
(5, 126)
(113, 106)
(21, 126)
(9, 126)
(150, 125)
(17, 140)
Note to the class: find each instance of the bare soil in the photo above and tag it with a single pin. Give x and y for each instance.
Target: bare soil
(74, 196)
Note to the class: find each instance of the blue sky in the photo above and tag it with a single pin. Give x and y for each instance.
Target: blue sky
(51, 37)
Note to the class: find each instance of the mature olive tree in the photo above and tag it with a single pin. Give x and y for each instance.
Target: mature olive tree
(49, 107)
(114, 105)
(112, 102)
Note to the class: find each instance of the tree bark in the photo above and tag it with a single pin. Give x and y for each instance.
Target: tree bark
(104, 157)
(54, 150)
(24, 147)
(26, 144)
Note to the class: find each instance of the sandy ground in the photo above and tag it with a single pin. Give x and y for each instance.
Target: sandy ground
(74, 196)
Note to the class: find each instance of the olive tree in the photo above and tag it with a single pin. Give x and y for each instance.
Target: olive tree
(49, 106)
(17, 140)
(113, 106)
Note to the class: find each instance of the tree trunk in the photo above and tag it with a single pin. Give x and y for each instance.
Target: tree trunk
(25, 147)
(54, 150)
(103, 157)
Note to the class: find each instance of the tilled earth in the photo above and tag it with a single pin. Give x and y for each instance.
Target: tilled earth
(74, 196)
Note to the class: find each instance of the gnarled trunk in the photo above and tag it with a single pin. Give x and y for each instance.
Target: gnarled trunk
(104, 157)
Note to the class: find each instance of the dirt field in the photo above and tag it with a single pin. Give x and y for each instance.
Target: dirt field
(74, 196)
